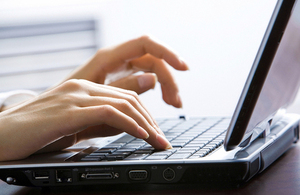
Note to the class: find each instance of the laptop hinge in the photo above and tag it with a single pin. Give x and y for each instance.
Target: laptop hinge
(267, 130)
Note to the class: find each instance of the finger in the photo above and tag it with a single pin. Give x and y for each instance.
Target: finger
(123, 106)
(126, 105)
(144, 82)
(138, 47)
(169, 87)
(137, 83)
(130, 96)
(106, 114)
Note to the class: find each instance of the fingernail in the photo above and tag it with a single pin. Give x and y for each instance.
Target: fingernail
(183, 62)
(179, 102)
(146, 81)
(163, 142)
(143, 133)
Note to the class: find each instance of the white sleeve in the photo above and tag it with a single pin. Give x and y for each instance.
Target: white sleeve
(12, 97)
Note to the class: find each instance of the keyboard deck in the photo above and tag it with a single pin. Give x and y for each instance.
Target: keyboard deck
(193, 138)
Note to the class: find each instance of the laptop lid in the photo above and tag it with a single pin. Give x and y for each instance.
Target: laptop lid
(274, 79)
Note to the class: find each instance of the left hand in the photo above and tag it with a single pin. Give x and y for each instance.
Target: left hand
(116, 66)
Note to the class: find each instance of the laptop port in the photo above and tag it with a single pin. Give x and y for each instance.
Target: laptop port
(169, 174)
(100, 176)
(41, 175)
(138, 175)
(64, 176)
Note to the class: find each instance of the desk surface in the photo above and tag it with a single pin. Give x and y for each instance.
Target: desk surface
(282, 177)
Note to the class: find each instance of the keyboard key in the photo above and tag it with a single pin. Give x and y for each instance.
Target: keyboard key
(211, 145)
(120, 153)
(194, 145)
(198, 155)
(114, 157)
(126, 150)
(179, 143)
(194, 157)
(186, 150)
(105, 150)
(125, 139)
(164, 152)
(156, 157)
(199, 142)
(137, 156)
(90, 159)
(184, 138)
(96, 154)
(178, 156)
(204, 150)
(193, 138)
(129, 146)
(114, 145)
(143, 152)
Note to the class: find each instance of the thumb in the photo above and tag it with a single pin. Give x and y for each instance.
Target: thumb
(138, 83)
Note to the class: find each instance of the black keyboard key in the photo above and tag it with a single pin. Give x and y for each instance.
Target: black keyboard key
(204, 150)
(111, 158)
(105, 150)
(143, 152)
(91, 159)
(165, 152)
(125, 139)
(132, 147)
(114, 145)
(121, 153)
(186, 150)
(178, 143)
(192, 145)
(126, 150)
(137, 156)
(95, 154)
(178, 156)
(211, 145)
(156, 157)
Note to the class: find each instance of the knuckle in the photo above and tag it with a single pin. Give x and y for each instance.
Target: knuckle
(131, 97)
(132, 100)
(68, 98)
(107, 112)
(123, 104)
(73, 84)
(145, 38)
(133, 94)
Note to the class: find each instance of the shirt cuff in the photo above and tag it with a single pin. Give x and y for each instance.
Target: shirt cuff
(16, 96)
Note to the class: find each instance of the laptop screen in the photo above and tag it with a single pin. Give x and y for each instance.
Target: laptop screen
(272, 84)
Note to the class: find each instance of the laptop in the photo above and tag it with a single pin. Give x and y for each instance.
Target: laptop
(205, 149)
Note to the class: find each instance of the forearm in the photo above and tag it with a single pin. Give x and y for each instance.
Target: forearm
(22, 134)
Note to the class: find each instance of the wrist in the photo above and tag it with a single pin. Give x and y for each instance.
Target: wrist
(11, 98)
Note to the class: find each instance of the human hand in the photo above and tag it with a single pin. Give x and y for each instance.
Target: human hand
(116, 66)
(74, 111)
(79, 109)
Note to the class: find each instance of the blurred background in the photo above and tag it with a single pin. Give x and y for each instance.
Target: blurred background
(42, 41)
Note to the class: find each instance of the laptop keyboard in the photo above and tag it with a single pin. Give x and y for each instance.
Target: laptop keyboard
(193, 138)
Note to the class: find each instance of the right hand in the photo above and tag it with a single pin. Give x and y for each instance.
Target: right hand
(71, 112)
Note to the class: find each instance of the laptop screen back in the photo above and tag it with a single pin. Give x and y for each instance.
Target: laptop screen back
(272, 84)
